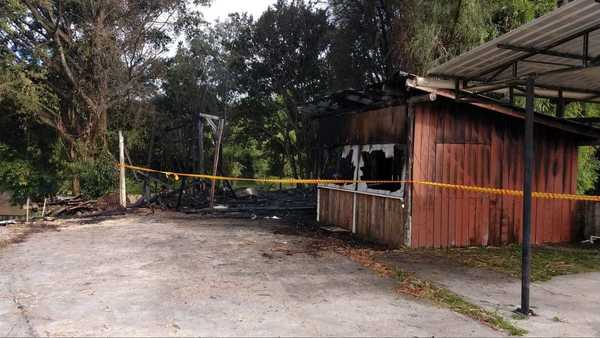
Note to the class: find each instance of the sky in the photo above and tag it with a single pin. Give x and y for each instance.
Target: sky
(221, 8)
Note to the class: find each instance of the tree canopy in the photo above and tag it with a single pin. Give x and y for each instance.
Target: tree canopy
(74, 72)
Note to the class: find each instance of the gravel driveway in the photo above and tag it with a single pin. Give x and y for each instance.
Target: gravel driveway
(173, 274)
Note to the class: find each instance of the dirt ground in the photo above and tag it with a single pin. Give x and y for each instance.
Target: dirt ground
(182, 275)
(565, 306)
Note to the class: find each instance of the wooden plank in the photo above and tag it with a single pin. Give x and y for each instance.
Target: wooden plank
(418, 205)
(439, 170)
(540, 185)
(559, 219)
(496, 171)
(572, 205)
(441, 166)
(474, 159)
(446, 165)
(430, 174)
(461, 205)
(566, 182)
(452, 195)
(509, 202)
(323, 206)
(502, 230)
(483, 200)
(518, 214)
(379, 206)
(553, 216)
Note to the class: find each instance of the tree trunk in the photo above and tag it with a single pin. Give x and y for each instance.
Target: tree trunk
(200, 135)
(76, 183)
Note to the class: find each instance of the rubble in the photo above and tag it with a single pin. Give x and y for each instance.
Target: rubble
(272, 204)
(79, 206)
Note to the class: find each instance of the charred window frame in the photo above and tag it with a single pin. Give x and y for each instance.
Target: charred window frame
(385, 162)
(340, 164)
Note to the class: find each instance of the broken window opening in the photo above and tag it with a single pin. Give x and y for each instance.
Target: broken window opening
(384, 162)
(374, 162)
(339, 164)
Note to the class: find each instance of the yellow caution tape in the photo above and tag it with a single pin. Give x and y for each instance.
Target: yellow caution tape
(494, 191)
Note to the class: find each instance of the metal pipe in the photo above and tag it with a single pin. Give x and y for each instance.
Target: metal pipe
(527, 198)
(539, 92)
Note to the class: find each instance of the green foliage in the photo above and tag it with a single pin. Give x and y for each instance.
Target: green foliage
(255, 72)
(438, 30)
(22, 178)
(98, 175)
(587, 174)
(281, 62)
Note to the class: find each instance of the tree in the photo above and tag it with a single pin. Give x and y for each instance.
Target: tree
(27, 168)
(281, 60)
(97, 54)
(366, 37)
(373, 40)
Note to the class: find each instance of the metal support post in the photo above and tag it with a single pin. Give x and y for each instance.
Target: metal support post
(527, 198)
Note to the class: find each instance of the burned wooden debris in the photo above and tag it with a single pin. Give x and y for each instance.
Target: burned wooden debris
(252, 202)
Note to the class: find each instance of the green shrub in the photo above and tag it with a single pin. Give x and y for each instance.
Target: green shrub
(97, 176)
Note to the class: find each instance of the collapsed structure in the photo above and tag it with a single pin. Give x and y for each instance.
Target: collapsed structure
(443, 129)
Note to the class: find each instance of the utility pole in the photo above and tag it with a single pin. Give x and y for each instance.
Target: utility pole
(122, 188)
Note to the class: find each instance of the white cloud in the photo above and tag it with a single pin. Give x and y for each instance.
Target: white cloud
(220, 9)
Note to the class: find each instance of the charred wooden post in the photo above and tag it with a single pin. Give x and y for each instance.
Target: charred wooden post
(181, 190)
(213, 183)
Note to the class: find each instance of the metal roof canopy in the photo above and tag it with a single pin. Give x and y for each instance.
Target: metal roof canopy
(560, 50)
(556, 55)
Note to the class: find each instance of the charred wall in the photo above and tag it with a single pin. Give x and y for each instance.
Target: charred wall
(385, 125)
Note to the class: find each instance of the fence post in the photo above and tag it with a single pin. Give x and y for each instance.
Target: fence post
(122, 188)
(44, 208)
(27, 211)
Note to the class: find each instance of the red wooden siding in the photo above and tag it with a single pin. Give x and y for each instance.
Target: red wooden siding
(335, 207)
(463, 144)
(381, 219)
(377, 218)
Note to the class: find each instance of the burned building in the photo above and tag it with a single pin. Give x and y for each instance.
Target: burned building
(415, 135)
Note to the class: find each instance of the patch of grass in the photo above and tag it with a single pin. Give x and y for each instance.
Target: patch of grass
(546, 262)
(411, 285)
(518, 316)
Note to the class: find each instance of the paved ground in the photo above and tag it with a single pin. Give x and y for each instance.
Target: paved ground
(176, 275)
(565, 306)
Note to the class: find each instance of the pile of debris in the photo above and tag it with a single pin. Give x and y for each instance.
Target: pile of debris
(68, 206)
(62, 206)
(252, 202)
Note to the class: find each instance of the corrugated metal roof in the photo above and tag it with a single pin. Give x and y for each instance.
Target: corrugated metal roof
(570, 126)
(560, 31)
